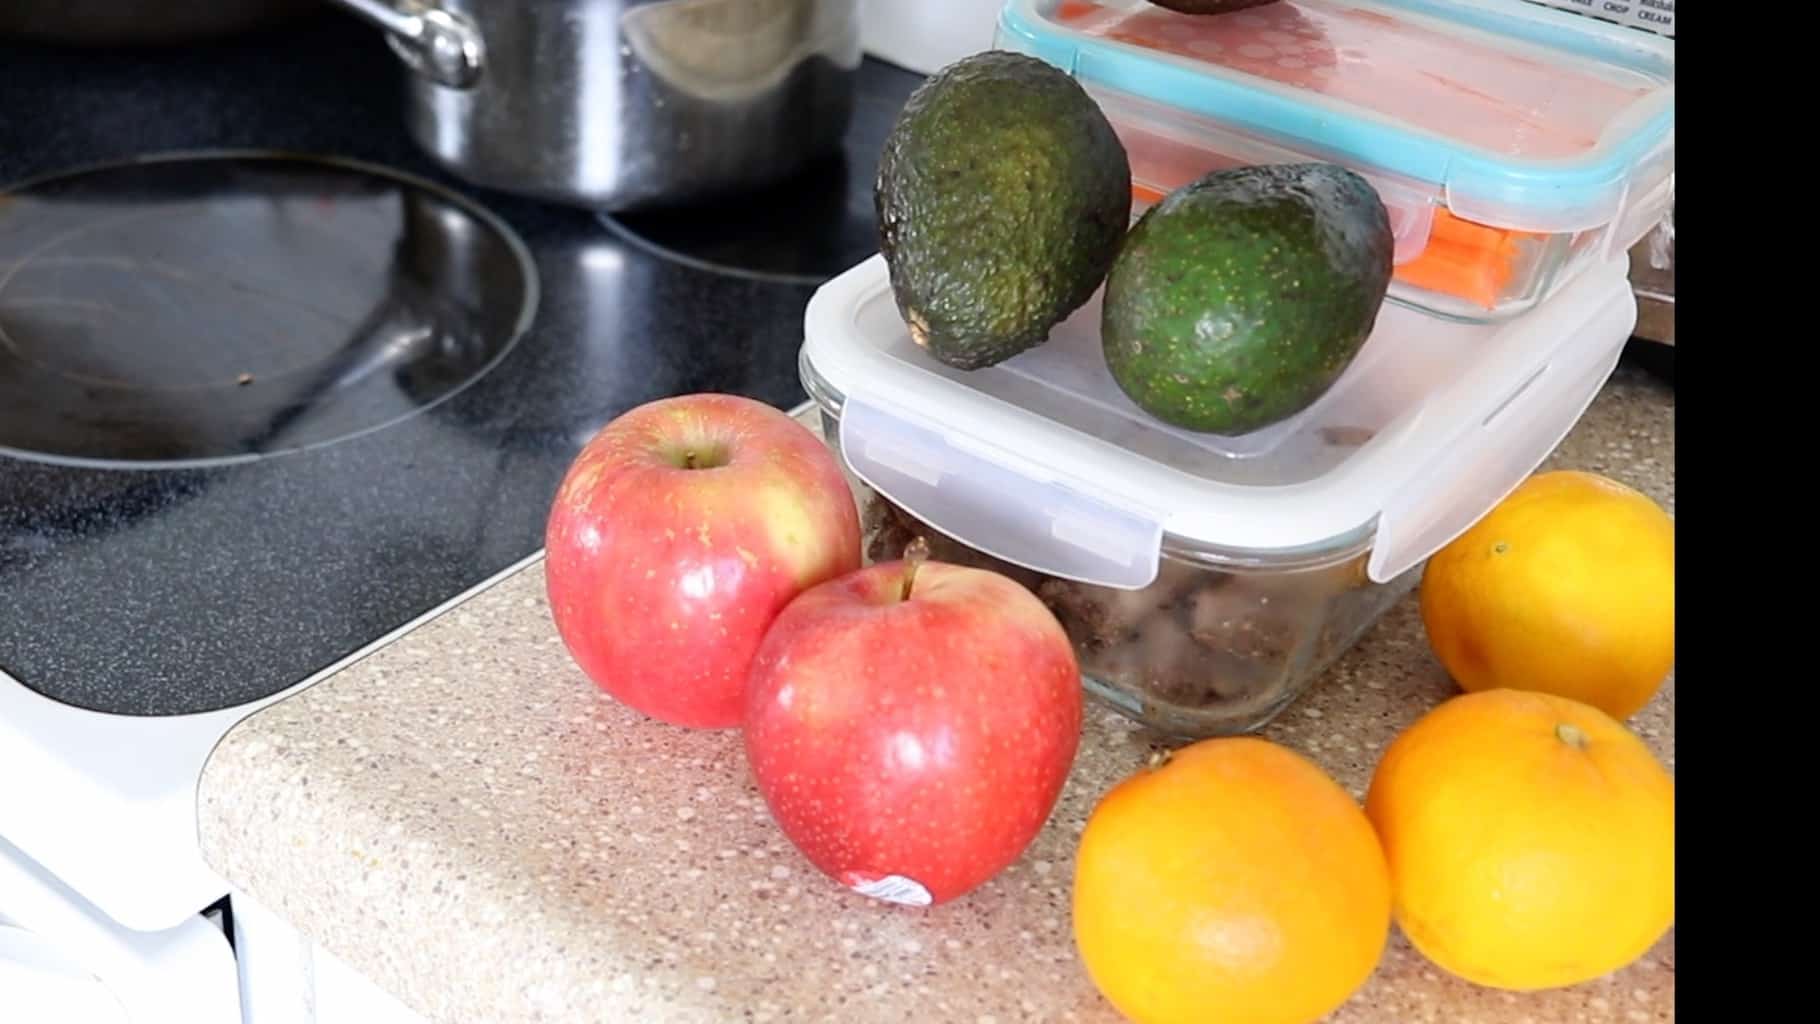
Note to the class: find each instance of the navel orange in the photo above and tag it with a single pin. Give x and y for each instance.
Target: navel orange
(1531, 839)
(1235, 882)
(1566, 587)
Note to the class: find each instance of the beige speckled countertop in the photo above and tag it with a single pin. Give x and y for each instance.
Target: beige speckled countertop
(463, 819)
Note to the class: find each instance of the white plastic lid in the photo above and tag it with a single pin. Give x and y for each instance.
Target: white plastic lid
(1043, 462)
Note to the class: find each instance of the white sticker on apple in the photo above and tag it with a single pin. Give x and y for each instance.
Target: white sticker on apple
(894, 889)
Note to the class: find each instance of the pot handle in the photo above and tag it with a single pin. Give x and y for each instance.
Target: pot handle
(440, 45)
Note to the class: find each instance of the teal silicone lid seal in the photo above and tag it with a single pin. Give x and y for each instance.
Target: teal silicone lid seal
(1501, 186)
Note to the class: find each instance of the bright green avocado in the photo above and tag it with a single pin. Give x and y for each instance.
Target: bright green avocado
(1002, 197)
(1239, 299)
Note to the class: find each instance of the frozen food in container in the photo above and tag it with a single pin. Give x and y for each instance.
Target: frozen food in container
(1512, 144)
(1205, 581)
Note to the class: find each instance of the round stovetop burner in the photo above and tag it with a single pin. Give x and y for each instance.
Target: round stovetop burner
(803, 231)
(220, 307)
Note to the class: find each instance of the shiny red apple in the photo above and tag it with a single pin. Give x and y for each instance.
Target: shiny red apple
(910, 726)
(678, 534)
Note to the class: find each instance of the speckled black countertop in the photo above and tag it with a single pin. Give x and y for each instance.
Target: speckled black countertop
(161, 592)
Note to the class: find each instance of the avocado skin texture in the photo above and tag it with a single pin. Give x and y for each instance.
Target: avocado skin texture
(1002, 197)
(1241, 298)
(1210, 6)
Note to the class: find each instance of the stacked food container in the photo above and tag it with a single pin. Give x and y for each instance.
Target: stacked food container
(1208, 580)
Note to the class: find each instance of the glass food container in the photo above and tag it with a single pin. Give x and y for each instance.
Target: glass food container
(1203, 649)
(1513, 145)
(1205, 581)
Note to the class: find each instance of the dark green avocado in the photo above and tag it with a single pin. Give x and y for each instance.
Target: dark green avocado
(1239, 299)
(1210, 6)
(1002, 197)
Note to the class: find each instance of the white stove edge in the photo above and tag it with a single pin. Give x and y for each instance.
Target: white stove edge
(107, 804)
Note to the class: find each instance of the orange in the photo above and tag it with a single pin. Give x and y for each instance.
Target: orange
(1235, 882)
(1566, 587)
(1531, 839)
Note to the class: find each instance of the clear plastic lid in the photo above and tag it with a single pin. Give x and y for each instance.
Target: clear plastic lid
(1043, 462)
(1523, 117)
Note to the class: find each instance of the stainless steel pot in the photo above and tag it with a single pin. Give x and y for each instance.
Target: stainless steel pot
(623, 104)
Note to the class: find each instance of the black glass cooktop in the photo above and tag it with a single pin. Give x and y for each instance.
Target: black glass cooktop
(269, 425)
(189, 310)
(802, 232)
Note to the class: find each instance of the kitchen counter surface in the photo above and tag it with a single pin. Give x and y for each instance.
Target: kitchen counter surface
(464, 819)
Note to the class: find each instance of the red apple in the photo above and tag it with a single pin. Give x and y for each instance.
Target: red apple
(910, 726)
(679, 533)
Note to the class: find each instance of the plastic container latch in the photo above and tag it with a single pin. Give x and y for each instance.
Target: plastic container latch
(990, 500)
(1486, 461)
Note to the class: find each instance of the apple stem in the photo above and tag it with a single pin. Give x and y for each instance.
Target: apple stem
(689, 459)
(1159, 757)
(914, 556)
